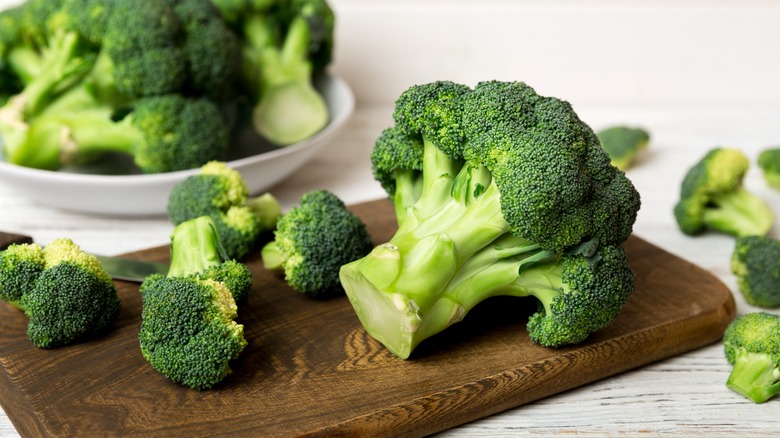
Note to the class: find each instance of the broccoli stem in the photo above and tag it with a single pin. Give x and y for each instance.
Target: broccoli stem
(195, 247)
(405, 282)
(267, 210)
(273, 257)
(408, 185)
(289, 108)
(755, 376)
(739, 213)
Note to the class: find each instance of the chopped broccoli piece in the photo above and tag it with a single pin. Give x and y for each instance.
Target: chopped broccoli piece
(623, 144)
(752, 345)
(188, 329)
(221, 193)
(769, 163)
(756, 263)
(313, 240)
(284, 45)
(712, 197)
(498, 191)
(64, 291)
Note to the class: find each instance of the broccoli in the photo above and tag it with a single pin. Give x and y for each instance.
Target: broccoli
(769, 163)
(313, 240)
(752, 345)
(64, 291)
(138, 85)
(623, 144)
(221, 193)
(756, 263)
(502, 192)
(284, 45)
(188, 330)
(712, 197)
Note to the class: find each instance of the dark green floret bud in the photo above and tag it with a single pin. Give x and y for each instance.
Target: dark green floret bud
(623, 144)
(756, 263)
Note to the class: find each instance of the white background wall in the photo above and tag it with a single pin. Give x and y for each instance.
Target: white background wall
(603, 52)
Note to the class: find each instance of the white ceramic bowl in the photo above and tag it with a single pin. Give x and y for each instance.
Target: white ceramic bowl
(105, 190)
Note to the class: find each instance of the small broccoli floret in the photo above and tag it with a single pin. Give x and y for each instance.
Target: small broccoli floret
(498, 191)
(623, 144)
(712, 197)
(188, 329)
(752, 345)
(756, 263)
(313, 240)
(284, 44)
(769, 163)
(64, 291)
(221, 193)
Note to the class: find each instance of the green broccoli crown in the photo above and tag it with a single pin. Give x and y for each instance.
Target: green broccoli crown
(623, 144)
(754, 262)
(188, 329)
(188, 332)
(221, 193)
(769, 163)
(313, 240)
(497, 191)
(752, 345)
(64, 291)
(713, 197)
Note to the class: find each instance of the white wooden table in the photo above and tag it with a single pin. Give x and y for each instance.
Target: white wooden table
(697, 74)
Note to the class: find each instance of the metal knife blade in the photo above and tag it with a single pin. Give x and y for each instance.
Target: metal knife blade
(119, 268)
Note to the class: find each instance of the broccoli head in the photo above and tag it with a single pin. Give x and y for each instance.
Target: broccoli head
(313, 240)
(755, 263)
(497, 191)
(188, 329)
(713, 197)
(221, 193)
(769, 163)
(64, 291)
(752, 346)
(623, 144)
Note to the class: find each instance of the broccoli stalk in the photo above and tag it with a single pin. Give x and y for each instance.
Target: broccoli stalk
(188, 330)
(494, 203)
(752, 347)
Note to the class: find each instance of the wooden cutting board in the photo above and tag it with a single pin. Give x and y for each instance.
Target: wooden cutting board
(311, 370)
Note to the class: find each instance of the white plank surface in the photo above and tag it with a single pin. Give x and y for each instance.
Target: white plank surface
(697, 74)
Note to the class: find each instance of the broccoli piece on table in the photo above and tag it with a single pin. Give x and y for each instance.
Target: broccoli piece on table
(769, 163)
(64, 291)
(313, 240)
(712, 197)
(752, 345)
(284, 45)
(502, 192)
(188, 329)
(221, 193)
(623, 144)
(756, 263)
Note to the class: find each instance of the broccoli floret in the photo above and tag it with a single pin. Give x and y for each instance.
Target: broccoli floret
(769, 163)
(221, 193)
(752, 345)
(64, 291)
(313, 240)
(756, 263)
(503, 192)
(188, 329)
(712, 197)
(161, 134)
(284, 45)
(623, 144)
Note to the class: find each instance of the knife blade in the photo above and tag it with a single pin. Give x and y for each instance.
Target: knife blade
(119, 268)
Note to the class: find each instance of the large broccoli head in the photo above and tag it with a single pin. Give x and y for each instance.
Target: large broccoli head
(498, 191)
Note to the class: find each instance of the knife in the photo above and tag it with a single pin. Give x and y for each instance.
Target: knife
(119, 268)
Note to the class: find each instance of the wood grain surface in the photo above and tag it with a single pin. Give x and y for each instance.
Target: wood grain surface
(311, 370)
